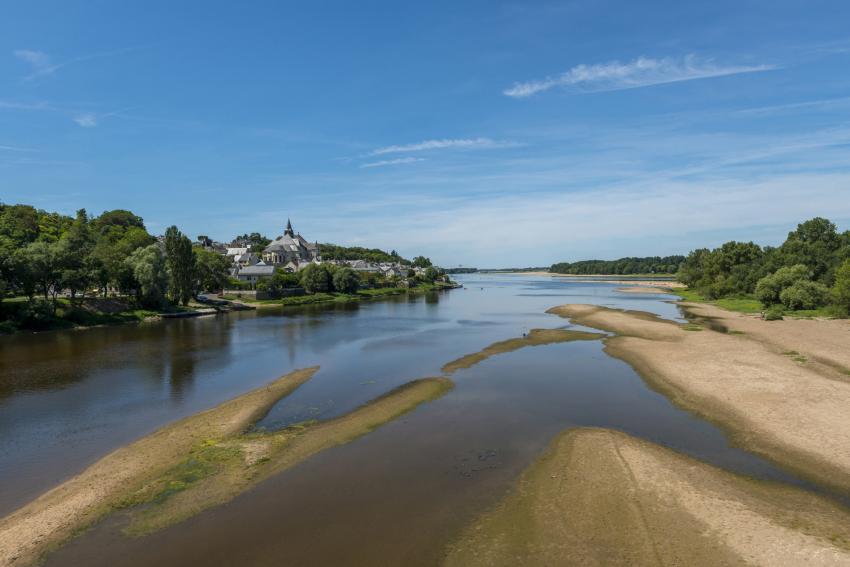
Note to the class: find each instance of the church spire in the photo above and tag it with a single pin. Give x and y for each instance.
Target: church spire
(288, 231)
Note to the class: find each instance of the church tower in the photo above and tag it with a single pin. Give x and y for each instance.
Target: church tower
(289, 232)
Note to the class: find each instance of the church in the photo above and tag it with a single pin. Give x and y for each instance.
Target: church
(291, 248)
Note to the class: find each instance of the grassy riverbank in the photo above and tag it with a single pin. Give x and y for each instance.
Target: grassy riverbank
(745, 304)
(360, 295)
(18, 314)
(601, 497)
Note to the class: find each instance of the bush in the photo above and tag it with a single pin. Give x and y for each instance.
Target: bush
(805, 294)
(345, 280)
(279, 282)
(769, 289)
(841, 290)
(316, 278)
(774, 313)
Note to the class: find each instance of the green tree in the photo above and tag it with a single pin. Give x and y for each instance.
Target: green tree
(841, 290)
(74, 251)
(43, 261)
(431, 274)
(769, 289)
(421, 262)
(148, 268)
(814, 243)
(805, 294)
(211, 270)
(345, 280)
(180, 260)
(280, 281)
(316, 278)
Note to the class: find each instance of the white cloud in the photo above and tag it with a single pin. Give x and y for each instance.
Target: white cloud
(386, 162)
(463, 143)
(87, 120)
(642, 72)
(38, 60)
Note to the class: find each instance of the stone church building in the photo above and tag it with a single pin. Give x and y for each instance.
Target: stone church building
(291, 248)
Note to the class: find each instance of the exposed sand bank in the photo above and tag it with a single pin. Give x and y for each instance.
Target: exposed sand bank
(643, 288)
(601, 497)
(537, 337)
(776, 405)
(221, 471)
(80, 501)
(824, 340)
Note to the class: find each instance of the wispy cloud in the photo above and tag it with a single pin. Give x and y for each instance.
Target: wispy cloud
(42, 64)
(87, 120)
(38, 60)
(642, 72)
(15, 149)
(461, 143)
(386, 162)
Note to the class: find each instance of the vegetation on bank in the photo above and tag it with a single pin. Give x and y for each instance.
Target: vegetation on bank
(339, 297)
(53, 268)
(375, 255)
(655, 265)
(808, 275)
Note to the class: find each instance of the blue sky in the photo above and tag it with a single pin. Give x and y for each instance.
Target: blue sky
(477, 133)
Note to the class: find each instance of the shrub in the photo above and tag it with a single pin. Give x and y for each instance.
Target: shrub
(774, 313)
(841, 290)
(316, 278)
(805, 294)
(345, 280)
(769, 289)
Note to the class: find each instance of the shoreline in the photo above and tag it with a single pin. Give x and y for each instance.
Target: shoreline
(770, 402)
(633, 502)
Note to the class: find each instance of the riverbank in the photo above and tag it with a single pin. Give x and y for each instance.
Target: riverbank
(773, 402)
(60, 513)
(21, 316)
(601, 497)
(360, 295)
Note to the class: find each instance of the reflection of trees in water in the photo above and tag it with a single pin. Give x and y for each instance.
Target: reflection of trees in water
(188, 343)
(57, 359)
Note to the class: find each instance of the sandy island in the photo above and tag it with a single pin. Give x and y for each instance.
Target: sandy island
(774, 402)
(537, 337)
(80, 501)
(601, 497)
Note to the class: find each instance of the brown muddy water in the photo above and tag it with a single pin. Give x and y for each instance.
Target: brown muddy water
(395, 496)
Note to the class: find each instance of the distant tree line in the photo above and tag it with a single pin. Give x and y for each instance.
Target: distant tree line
(335, 252)
(810, 270)
(623, 266)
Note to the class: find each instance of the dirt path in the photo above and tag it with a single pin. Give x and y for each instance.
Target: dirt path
(77, 503)
(776, 405)
(601, 497)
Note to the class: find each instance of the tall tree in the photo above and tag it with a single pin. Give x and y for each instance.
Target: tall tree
(180, 260)
(150, 275)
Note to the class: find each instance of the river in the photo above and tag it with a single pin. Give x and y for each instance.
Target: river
(395, 496)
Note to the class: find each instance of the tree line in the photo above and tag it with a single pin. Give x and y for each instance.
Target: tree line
(809, 270)
(43, 254)
(623, 266)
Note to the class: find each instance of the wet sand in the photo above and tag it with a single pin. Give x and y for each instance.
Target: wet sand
(601, 497)
(644, 288)
(537, 337)
(79, 502)
(775, 405)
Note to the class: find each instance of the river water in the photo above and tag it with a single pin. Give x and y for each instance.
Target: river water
(395, 496)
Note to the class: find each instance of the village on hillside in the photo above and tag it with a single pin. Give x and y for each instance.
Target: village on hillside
(292, 253)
